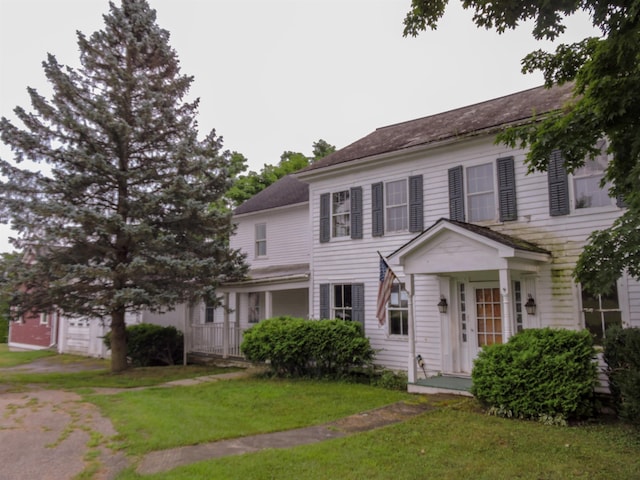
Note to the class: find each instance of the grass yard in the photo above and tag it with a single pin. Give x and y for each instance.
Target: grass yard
(12, 359)
(447, 443)
(161, 418)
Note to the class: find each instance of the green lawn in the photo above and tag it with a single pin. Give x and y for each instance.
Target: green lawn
(447, 443)
(12, 359)
(454, 441)
(160, 418)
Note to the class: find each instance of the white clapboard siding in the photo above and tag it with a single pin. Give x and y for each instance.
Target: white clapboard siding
(288, 240)
(345, 260)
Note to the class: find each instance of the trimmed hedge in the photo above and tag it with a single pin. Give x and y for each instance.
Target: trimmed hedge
(543, 374)
(152, 345)
(622, 356)
(298, 347)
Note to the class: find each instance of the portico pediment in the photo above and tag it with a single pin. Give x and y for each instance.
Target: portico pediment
(449, 246)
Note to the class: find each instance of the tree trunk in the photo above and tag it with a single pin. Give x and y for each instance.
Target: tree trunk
(118, 342)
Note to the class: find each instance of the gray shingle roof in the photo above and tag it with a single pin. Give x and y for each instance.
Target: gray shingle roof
(491, 115)
(286, 191)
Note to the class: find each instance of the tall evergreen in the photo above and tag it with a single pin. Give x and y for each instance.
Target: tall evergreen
(121, 219)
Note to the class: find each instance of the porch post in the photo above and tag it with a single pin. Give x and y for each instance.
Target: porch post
(186, 335)
(411, 366)
(505, 291)
(268, 304)
(225, 327)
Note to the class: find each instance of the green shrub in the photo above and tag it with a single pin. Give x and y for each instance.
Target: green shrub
(298, 347)
(152, 345)
(391, 380)
(622, 356)
(544, 374)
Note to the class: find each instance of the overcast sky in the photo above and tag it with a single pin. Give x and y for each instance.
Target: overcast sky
(277, 75)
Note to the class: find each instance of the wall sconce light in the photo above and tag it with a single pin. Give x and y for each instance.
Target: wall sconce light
(443, 305)
(530, 306)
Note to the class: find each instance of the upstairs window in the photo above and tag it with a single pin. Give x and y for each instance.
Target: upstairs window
(480, 195)
(475, 196)
(397, 207)
(586, 182)
(261, 239)
(341, 214)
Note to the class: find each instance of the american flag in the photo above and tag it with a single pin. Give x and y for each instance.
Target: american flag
(384, 291)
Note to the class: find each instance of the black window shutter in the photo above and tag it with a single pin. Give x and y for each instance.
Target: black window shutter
(325, 301)
(356, 212)
(416, 209)
(456, 194)
(507, 189)
(325, 217)
(558, 185)
(357, 303)
(620, 202)
(377, 210)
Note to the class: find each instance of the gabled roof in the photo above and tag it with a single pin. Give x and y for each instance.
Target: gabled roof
(504, 248)
(286, 191)
(488, 116)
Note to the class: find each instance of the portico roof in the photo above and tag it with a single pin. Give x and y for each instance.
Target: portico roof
(450, 246)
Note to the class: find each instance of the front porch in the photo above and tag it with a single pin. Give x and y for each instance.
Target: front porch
(441, 384)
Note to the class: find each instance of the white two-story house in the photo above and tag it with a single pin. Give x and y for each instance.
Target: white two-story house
(480, 249)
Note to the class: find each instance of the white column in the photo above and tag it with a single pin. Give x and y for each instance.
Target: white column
(225, 327)
(505, 291)
(268, 304)
(411, 370)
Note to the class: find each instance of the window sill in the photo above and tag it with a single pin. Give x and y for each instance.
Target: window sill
(579, 212)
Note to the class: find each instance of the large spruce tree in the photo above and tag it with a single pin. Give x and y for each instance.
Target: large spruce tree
(122, 218)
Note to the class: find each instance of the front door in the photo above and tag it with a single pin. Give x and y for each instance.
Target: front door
(482, 321)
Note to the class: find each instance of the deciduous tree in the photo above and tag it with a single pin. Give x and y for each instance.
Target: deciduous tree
(606, 75)
(121, 219)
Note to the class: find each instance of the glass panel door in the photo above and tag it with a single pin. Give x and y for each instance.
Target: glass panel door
(488, 316)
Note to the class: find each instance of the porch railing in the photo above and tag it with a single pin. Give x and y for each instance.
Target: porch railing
(216, 339)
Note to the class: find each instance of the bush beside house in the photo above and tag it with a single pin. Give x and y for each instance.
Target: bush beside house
(298, 347)
(543, 374)
(152, 345)
(622, 356)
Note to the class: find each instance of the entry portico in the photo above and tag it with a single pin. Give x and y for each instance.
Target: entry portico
(484, 277)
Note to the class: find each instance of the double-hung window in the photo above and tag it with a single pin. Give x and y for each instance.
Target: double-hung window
(261, 239)
(587, 179)
(398, 310)
(342, 302)
(601, 312)
(341, 214)
(209, 312)
(588, 191)
(396, 206)
(480, 193)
